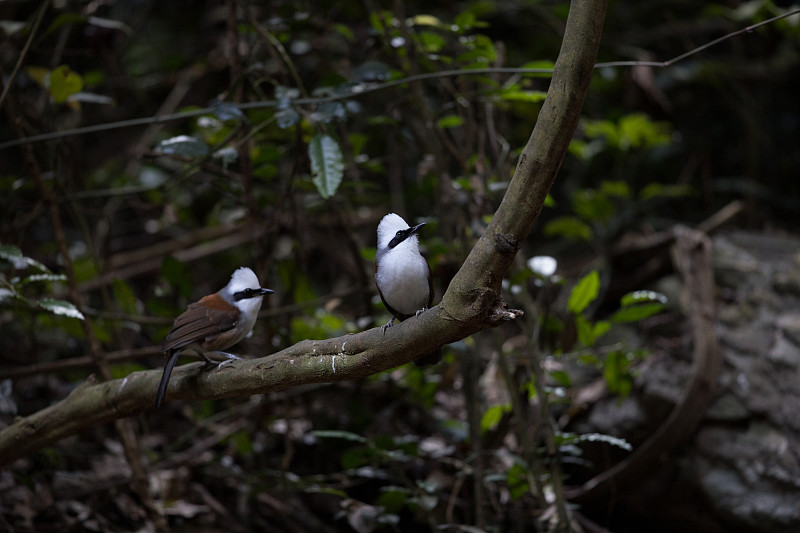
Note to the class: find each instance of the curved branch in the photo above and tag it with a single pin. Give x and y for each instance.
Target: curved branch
(471, 303)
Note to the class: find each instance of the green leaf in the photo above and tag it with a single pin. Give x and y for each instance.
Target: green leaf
(608, 439)
(465, 20)
(242, 442)
(517, 479)
(316, 489)
(529, 387)
(561, 377)
(584, 292)
(619, 189)
(523, 96)
(493, 415)
(631, 131)
(60, 307)
(286, 118)
(14, 255)
(183, 145)
(592, 206)
(393, 498)
(227, 156)
(615, 373)
(64, 83)
(328, 112)
(563, 439)
(589, 332)
(568, 227)
(338, 434)
(544, 64)
(44, 277)
(659, 190)
(634, 313)
(450, 121)
(431, 42)
(228, 111)
(637, 297)
(345, 32)
(326, 164)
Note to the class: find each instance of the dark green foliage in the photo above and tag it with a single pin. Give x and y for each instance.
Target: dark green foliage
(281, 149)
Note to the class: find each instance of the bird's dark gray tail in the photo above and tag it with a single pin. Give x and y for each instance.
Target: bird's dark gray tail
(162, 387)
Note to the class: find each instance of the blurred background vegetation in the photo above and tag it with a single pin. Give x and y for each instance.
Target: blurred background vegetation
(276, 135)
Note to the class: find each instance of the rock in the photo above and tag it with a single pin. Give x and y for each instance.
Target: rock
(741, 471)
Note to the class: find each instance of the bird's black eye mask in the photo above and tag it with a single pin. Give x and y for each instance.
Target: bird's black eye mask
(404, 234)
(250, 293)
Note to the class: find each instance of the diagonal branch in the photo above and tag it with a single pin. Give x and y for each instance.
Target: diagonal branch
(471, 303)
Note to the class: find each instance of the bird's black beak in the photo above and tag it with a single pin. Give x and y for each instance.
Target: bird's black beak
(415, 229)
(264, 292)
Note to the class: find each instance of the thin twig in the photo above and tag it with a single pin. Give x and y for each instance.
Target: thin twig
(85, 361)
(24, 53)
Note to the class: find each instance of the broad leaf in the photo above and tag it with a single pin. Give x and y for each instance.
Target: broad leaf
(14, 255)
(523, 96)
(449, 121)
(584, 292)
(492, 416)
(338, 434)
(183, 145)
(64, 83)
(326, 164)
(615, 372)
(568, 227)
(637, 297)
(589, 332)
(286, 118)
(517, 480)
(572, 438)
(228, 111)
(44, 277)
(634, 313)
(60, 307)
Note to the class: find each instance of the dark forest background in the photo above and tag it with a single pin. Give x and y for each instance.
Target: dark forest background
(276, 135)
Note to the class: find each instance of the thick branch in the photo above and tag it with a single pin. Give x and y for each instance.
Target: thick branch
(481, 274)
(472, 301)
(312, 361)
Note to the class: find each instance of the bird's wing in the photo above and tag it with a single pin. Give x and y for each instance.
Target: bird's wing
(203, 319)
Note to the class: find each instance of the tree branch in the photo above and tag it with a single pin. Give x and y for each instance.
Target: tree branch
(471, 303)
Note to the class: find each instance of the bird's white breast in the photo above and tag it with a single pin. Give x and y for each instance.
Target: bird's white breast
(403, 280)
(249, 308)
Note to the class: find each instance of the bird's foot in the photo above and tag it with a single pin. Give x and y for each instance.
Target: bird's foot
(228, 357)
(387, 325)
(420, 311)
(225, 362)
